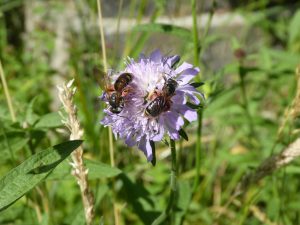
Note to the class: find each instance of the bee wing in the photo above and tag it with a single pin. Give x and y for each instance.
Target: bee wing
(101, 78)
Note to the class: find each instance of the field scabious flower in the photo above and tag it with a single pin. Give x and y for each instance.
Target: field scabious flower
(150, 74)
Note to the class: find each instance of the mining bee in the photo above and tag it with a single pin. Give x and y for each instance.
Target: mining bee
(117, 91)
(161, 101)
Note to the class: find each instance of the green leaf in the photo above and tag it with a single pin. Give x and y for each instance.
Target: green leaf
(183, 200)
(165, 28)
(294, 31)
(193, 106)
(153, 161)
(9, 5)
(31, 117)
(97, 170)
(183, 134)
(50, 120)
(282, 60)
(197, 84)
(27, 175)
(76, 217)
(11, 143)
(101, 170)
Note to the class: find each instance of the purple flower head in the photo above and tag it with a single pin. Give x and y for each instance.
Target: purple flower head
(150, 74)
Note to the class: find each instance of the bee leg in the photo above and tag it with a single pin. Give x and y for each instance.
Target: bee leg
(167, 105)
(153, 95)
(126, 90)
(145, 98)
(110, 88)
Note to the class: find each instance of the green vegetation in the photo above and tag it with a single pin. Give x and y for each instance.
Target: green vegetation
(235, 165)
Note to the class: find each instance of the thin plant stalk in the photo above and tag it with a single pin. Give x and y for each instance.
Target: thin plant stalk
(207, 26)
(110, 136)
(173, 186)
(198, 150)
(103, 47)
(7, 95)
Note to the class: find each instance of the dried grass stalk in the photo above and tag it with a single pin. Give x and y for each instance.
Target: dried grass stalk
(66, 93)
(270, 165)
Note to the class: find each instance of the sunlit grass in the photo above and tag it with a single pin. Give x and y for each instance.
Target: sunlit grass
(230, 169)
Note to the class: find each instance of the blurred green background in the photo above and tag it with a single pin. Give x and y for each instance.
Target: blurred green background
(247, 52)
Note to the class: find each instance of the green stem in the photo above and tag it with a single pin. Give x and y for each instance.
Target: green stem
(207, 26)
(198, 150)
(7, 95)
(12, 157)
(110, 135)
(165, 214)
(245, 100)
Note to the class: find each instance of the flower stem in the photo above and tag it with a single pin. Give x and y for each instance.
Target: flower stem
(198, 150)
(173, 186)
(197, 63)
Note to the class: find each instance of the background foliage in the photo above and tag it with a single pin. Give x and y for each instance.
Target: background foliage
(247, 61)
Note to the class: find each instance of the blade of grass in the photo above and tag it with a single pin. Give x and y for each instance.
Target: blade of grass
(7, 95)
(196, 63)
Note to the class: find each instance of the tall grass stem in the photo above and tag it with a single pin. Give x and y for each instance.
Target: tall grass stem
(7, 95)
(103, 47)
(111, 143)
